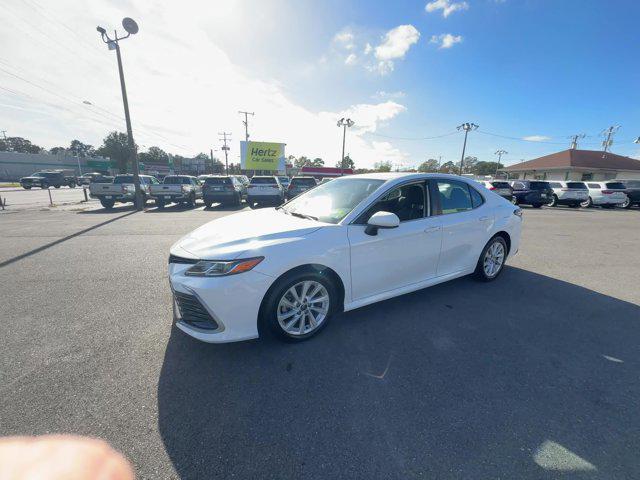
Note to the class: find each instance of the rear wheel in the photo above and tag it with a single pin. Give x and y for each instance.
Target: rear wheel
(72, 185)
(300, 305)
(627, 203)
(587, 203)
(491, 261)
(107, 203)
(44, 185)
(57, 186)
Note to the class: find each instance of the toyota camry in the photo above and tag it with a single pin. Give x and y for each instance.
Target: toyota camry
(347, 243)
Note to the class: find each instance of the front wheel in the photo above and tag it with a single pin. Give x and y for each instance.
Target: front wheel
(587, 203)
(554, 201)
(252, 204)
(44, 185)
(57, 186)
(72, 185)
(491, 261)
(626, 204)
(27, 187)
(300, 305)
(514, 200)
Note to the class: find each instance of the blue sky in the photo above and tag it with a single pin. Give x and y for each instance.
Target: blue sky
(540, 70)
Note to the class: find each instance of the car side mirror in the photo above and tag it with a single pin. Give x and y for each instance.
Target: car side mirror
(381, 220)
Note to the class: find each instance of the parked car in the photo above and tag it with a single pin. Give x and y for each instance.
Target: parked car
(499, 187)
(300, 185)
(632, 191)
(531, 192)
(88, 178)
(264, 189)
(284, 181)
(224, 190)
(176, 189)
(47, 179)
(605, 194)
(121, 190)
(354, 241)
(568, 193)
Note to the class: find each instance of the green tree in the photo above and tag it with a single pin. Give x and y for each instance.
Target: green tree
(384, 166)
(430, 165)
(317, 162)
(301, 162)
(469, 164)
(57, 150)
(348, 163)
(115, 146)
(154, 155)
(18, 145)
(448, 167)
(487, 168)
(79, 149)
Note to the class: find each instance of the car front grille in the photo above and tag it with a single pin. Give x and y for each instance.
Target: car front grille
(193, 312)
(176, 259)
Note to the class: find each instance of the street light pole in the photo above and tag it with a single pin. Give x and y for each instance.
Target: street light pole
(466, 127)
(499, 153)
(131, 28)
(344, 122)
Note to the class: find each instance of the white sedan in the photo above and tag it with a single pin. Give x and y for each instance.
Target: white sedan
(347, 243)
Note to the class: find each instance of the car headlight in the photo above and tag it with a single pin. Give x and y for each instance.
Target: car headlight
(219, 268)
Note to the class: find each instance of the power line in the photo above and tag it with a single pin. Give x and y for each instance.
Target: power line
(411, 138)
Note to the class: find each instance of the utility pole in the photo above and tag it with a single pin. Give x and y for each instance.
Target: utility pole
(499, 153)
(226, 150)
(131, 27)
(608, 134)
(246, 123)
(344, 122)
(574, 140)
(467, 127)
(4, 134)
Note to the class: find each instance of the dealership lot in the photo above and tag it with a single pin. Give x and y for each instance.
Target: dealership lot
(526, 377)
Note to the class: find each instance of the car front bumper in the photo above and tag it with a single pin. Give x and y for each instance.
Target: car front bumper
(232, 301)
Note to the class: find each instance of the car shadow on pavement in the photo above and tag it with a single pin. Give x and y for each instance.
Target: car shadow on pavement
(524, 377)
(128, 207)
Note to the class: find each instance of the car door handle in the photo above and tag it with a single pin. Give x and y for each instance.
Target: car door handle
(432, 229)
(483, 219)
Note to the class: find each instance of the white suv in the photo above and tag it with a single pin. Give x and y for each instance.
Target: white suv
(263, 190)
(606, 194)
(568, 193)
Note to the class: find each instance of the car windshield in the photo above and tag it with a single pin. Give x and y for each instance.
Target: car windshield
(123, 179)
(539, 185)
(217, 181)
(303, 182)
(331, 202)
(615, 186)
(579, 185)
(263, 181)
(176, 181)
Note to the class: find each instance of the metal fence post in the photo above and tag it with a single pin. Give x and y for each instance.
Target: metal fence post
(84, 189)
(50, 199)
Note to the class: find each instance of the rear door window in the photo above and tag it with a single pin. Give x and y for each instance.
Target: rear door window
(454, 196)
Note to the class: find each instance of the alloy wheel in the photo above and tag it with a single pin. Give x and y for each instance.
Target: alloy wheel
(493, 259)
(303, 308)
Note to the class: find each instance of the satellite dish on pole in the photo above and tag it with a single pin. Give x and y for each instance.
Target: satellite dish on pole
(130, 25)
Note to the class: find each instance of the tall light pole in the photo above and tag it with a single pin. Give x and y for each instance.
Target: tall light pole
(499, 153)
(344, 123)
(466, 127)
(246, 123)
(131, 27)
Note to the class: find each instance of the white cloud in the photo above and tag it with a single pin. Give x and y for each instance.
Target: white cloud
(394, 46)
(381, 94)
(447, 7)
(368, 49)
(183, 88)
(345, 39)
(446, 40)
(536, 138)
(351, 59)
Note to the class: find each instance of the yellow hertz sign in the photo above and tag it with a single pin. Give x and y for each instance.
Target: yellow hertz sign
(262, 156)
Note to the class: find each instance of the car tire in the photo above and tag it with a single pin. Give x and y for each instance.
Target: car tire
(275, 307)
(252, 205)
(537, 205)
(514, 200)
(27, 187)
(554, 201)
(493, 252)
(208, 204)
(192, 201)
(57, 186)
(588, 203)
(159, 203)
(107, 203)
(626, 204)
(72, 185)
(44, 185)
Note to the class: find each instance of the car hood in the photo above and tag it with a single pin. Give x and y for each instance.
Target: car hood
(226, 238)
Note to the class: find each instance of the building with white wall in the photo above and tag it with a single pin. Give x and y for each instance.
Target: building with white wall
(15, 165)
(576, 165)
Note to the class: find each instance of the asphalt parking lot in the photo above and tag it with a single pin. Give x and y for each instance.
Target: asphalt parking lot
(533, 376)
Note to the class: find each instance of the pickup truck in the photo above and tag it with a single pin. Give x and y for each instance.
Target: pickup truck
(46, 180)
(121, 190)
(177, 189)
